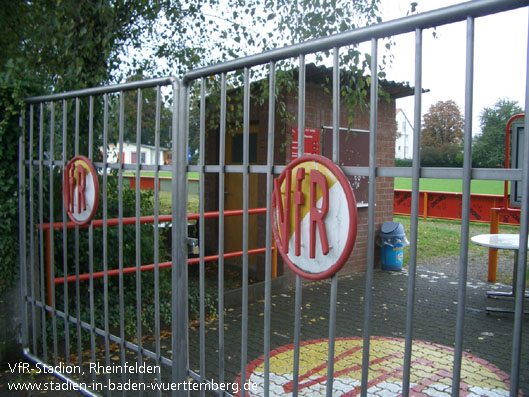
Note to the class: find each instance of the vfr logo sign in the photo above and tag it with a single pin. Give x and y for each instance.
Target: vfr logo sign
(80, 190)
(314, 218)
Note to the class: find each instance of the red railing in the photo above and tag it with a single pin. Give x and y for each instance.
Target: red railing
(46, 227)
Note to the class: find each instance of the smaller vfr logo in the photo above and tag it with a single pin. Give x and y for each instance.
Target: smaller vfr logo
(80, 190)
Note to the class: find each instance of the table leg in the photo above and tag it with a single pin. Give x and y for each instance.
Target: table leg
(511, 294)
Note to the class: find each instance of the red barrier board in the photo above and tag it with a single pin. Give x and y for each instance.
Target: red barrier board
(445, 205)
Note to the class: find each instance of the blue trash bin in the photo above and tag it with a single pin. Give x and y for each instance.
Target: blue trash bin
(392, 240)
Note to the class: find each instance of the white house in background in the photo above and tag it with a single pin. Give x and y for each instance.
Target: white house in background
(404, 142)
(146, 156)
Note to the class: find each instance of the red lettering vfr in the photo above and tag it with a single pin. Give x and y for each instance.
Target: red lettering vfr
(299, 200)
(317, 215)
(75, 176)
(283, 212)
(81, 186)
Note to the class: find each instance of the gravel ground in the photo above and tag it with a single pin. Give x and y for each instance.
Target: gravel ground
(477, 268)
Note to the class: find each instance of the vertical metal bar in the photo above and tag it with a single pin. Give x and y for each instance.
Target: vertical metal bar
(121, 158)
(32, 259)
(91, 129)
(91, 244)
(299, 286)
(51, 252)
(185, 151)
(222, 164)
(414, 221)
(371, 212)
(174, 187)
(336, 106)
(268, 256)
(76, 248)
(156, 234)
(301, 106)
(297, 331)
(22, 228)
(522, 255)
(65, 238)
(138, 233)
(41, 233)
(179, 275)
(245, 188)
(336, 159)
(465, 210)
(105, 234)
(201, 226)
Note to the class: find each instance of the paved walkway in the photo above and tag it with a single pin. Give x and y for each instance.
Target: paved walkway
(487, 340)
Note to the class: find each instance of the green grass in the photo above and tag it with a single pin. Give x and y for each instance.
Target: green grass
(165, 203)
(438, 237)
(452, 185)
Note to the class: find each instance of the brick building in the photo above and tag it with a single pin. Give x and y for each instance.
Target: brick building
(354, 151)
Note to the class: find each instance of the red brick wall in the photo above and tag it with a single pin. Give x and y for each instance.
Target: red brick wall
(318, 112)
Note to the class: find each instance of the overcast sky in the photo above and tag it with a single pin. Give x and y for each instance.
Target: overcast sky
(499, 58)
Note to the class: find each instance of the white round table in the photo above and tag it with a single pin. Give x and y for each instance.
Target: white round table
(504, 242)
(499, 241)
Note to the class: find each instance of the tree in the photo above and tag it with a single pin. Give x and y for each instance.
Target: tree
(442, 125)
(79, 45)
(488, 149)
(87, 43)
(148, 116)
(442, 135)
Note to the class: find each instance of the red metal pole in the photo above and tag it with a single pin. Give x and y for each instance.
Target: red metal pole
(150, 219)
(493, 253)
(127, 270)
(425, 205)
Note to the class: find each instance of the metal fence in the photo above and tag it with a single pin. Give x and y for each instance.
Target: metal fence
(77, 328)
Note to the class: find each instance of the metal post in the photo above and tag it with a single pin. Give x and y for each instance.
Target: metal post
(41, 233)
(201, 228)
(179, 256)
(222, 164)
(245, 188)
(299, 287)
(336, 159)
(139, 107)
(371, 213)
(65, 237)
(156, 233)
(268, 257)
(76, 249)
(465, 210)
(414, 222)
(51, 244)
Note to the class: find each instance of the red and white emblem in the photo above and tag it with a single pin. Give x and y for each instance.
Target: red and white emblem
(80, 190)
(314, 217)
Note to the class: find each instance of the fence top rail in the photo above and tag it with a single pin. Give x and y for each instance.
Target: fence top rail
(107, 89)
(430, 19)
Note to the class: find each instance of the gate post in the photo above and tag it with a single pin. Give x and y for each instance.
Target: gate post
(179, 302)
